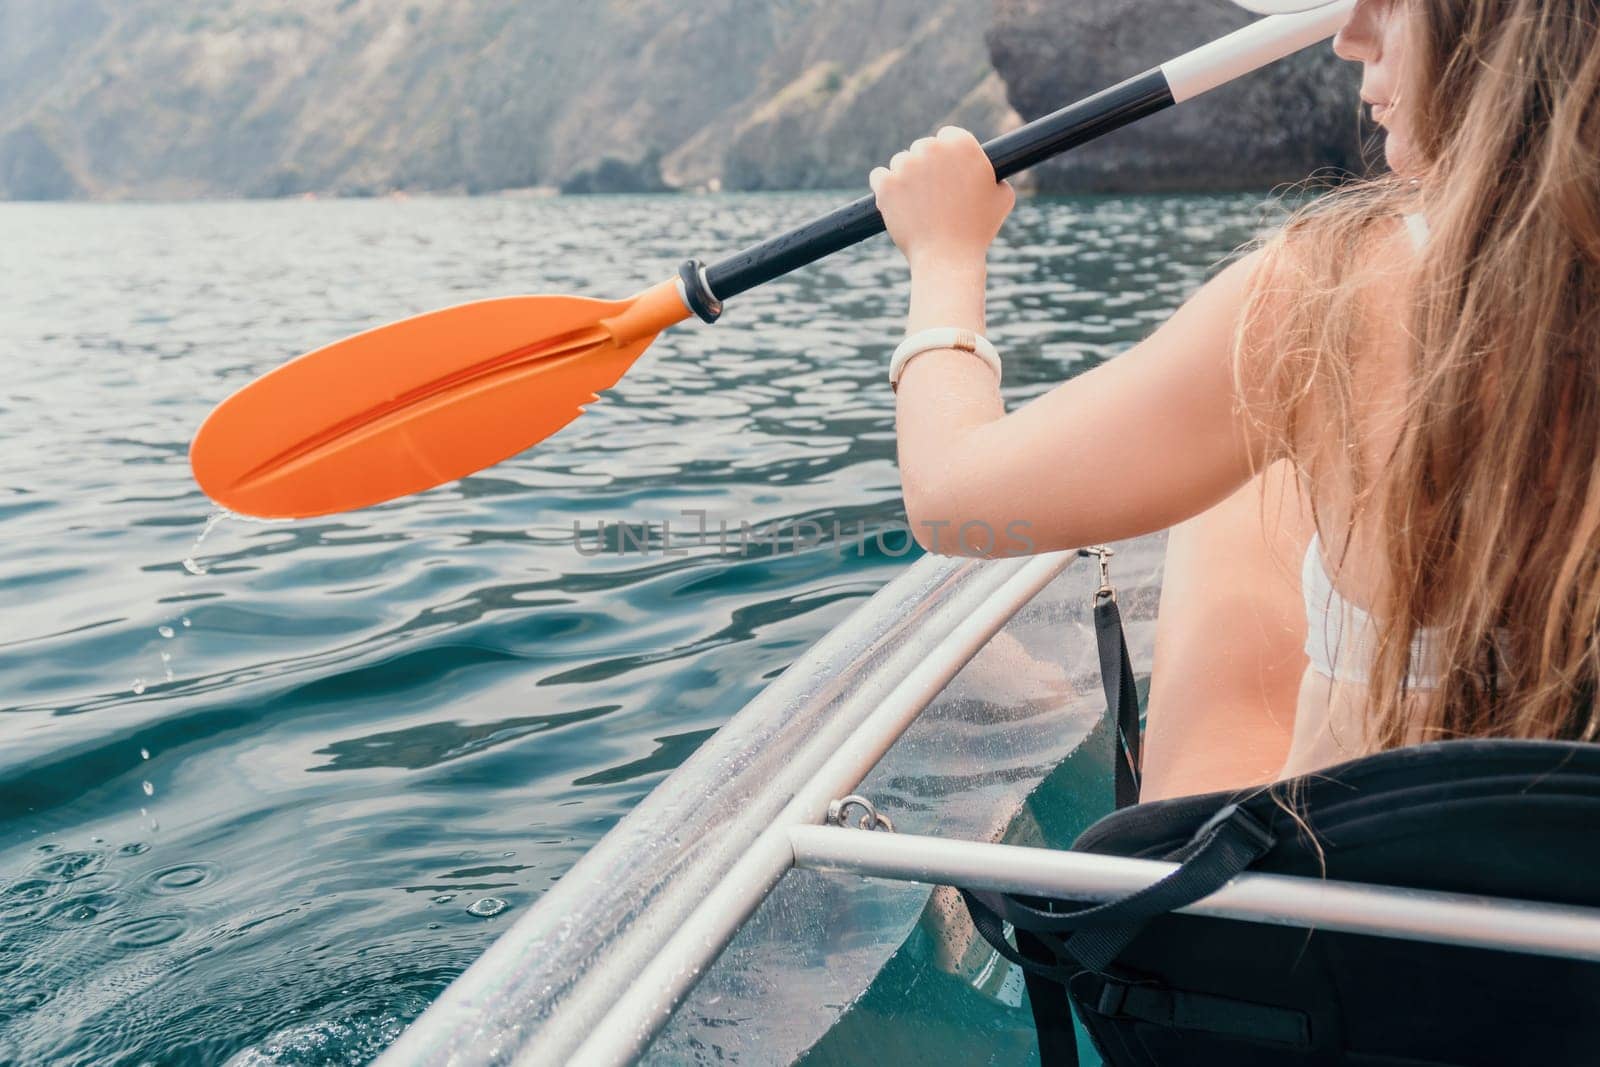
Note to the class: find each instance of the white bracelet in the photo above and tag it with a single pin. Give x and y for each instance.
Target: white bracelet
(938, 338)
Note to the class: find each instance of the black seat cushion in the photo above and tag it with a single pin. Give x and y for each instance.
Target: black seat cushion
(1512, 819)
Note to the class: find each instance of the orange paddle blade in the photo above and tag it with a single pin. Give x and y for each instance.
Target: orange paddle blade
(419, 402)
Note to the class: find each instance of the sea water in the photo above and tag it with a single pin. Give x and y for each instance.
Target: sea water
(265, 789)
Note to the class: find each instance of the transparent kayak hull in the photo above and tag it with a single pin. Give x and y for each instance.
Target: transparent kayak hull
(964, 699)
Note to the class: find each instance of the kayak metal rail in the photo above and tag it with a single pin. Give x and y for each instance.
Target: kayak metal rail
(1542, 929)
(596, 967)
(593, 971)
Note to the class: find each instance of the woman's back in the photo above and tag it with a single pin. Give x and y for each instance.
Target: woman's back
(1342, 576)
(1442, 410)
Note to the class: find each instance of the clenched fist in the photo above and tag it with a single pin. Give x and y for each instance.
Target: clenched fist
(940, 200)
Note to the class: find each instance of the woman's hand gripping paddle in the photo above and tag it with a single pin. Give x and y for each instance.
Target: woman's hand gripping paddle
(430, 399)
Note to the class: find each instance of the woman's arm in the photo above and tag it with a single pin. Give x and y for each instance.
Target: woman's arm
(1135, 445)
(1230, 643)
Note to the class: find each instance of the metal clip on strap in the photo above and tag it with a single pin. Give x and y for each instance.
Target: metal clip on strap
(1103, 553)
(1117, 678)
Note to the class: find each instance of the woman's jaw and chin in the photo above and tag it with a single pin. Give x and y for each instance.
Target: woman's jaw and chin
(1397, 151)
(1377, 39)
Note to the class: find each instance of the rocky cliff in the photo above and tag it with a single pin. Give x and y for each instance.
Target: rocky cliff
(275, 97)
(178, 98)
(1278, 125)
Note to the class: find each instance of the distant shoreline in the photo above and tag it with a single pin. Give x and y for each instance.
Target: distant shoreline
(544, 193)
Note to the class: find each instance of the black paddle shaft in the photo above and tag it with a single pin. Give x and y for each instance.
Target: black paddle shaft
(1011, 153)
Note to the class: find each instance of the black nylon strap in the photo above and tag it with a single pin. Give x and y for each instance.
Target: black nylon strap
(1181, 1009)
(1051, 1007)
(1237, 842)
(1038, 956)
(1045, 979)
(1122, 696)
(985, 909)
(1227, 845)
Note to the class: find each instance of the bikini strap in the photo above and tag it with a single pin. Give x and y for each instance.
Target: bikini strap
(1417, 227)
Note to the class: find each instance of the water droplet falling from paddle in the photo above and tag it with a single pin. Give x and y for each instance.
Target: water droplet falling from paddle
(192, 565)
(215, 519)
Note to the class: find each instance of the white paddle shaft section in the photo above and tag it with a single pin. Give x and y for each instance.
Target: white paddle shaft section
(1541, 929)
(1257, 45)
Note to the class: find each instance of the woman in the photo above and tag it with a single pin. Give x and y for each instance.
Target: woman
(1419, 353)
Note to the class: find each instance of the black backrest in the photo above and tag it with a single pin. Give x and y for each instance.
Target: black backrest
(1511, 819)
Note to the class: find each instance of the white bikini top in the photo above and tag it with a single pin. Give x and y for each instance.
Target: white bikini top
(1341, 638)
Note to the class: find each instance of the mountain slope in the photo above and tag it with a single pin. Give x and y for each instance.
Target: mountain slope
(256, 97)
(182, 98)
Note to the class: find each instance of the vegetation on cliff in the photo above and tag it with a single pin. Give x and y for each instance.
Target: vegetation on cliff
(182, 98)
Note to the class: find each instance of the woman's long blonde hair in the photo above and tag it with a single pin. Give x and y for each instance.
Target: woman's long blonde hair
(1487, 510)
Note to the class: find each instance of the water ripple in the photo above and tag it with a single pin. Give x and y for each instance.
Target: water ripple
(234, 797)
